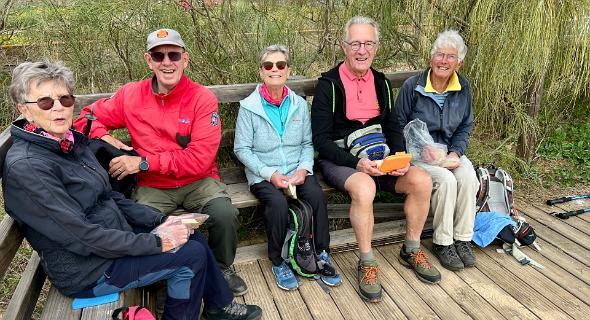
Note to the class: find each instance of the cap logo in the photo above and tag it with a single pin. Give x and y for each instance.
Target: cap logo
(162, 34)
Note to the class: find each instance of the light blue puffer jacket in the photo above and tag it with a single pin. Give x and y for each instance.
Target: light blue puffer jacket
(259, 146)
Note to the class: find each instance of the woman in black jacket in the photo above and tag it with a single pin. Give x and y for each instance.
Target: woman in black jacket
(91, 240)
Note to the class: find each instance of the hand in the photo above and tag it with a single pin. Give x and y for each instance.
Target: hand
(452, 161)
(400, 172)
(369, 167)
(298, 177)
(122, 166)
(173, 235)
(115, 142)
(279, 181)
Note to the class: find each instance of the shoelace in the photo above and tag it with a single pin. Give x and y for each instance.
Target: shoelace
(369, 274)
(463, 247)
(235, 309)
(228, 272)
(284, 272)
(421, 259)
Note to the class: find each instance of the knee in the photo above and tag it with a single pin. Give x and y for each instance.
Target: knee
(445, 181)
(192, 253)
(361, 188)
(221, 212)
(416, 180)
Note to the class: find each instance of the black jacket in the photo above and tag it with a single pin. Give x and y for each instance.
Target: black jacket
(65, 207)
(450, 125)
(329, 125)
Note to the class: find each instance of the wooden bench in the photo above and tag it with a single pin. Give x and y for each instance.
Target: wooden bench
(57, 306)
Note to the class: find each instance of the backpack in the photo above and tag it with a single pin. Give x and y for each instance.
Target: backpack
(133, 313)
(495, 193)
(299, 248)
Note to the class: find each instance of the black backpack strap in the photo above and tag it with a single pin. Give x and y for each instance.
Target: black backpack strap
(118, 311)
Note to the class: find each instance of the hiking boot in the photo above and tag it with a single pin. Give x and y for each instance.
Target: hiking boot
(285, 277)
(328, 273)
(236, 284)
(465, 252)
(368, 278)
(448, 257)
(234, 311)
(417, 260)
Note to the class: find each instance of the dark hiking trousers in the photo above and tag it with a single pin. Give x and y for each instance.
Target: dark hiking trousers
(192, 274)
(276, 214)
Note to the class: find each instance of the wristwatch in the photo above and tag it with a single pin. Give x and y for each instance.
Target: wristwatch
(143, 164)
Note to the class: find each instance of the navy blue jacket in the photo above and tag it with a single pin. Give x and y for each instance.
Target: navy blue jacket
(450, 125)
(65, 207)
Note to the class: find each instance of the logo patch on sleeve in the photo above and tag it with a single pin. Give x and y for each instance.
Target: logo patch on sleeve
(214, 119)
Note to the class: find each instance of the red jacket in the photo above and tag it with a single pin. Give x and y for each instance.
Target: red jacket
(154, 120)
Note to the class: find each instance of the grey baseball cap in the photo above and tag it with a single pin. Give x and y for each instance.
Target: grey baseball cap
(164, 36)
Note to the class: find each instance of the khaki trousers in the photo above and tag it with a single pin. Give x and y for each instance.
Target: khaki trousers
(453, 201)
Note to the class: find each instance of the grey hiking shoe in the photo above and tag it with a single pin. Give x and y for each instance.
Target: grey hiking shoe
(368, 279)
(234, 311)
(236, 284)
(465, 253)
(448, 257)
(418, 261)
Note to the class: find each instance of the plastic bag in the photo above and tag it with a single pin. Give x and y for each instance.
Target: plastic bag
(191, 220)
(420, 144)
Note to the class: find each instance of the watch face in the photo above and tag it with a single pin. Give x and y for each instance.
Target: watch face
(143, 165)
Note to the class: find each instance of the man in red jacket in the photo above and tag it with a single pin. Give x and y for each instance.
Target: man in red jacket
(175, 128)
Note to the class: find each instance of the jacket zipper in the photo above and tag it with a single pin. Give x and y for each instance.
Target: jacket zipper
(93, 170)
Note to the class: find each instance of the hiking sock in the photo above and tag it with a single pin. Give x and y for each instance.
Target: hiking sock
(367, 256)
(410, 245)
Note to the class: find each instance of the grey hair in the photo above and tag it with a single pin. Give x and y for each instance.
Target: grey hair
(361, 20)
(28, 73)
(450, 39)
(274, 49)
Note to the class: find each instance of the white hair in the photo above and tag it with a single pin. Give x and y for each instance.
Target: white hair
(450, 39)
(361, 20)
(274, 49)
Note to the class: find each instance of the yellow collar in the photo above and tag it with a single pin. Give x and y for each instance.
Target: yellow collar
(453, 85)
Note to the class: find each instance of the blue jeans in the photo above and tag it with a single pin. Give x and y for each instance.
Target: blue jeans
(192, 274)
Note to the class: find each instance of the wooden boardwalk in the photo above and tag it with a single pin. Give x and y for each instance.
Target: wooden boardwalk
(496, 288)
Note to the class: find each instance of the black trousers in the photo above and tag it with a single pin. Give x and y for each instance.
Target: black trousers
(276, 214)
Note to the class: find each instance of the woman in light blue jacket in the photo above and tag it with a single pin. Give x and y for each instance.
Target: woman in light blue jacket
(273, 141)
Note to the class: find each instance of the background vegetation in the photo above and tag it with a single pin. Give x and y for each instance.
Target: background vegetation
(528, 61)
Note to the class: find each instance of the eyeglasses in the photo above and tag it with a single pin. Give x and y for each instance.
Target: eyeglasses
(158, 56)
(356, 45)
(267, 65)
(439, 56)
(46, 103)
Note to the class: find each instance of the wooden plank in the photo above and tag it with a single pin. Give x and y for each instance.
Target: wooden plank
(5, 144)
(384, 232)
(289, 303)
(545, 285)
(537, 216)
(103, 311)
(236, 92)
(258, 290)
(440, 302)
(10, 240)
(464, 295)
(346, 296)
(23, 300)
(517, 288)
(58, 306)
(504, 303)
(319, 303)
(380, 210)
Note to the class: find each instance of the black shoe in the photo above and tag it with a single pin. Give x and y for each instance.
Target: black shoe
(236, 284)
(234, 311)
(448, 257)
(465, 253)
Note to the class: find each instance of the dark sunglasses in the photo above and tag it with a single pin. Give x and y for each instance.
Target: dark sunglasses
(158, 56)
(46, 103)
(267, 65)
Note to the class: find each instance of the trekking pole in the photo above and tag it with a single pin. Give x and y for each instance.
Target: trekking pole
(552, 202)
(566, 215)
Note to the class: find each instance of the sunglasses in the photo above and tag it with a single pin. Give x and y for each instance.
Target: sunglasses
(267, 65)
(173, 56)
(46, 103)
